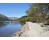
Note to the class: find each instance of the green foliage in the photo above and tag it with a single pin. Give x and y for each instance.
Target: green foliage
(38, 11)
(22, 20)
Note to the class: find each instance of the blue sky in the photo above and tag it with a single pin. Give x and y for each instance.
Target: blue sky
(14, 9)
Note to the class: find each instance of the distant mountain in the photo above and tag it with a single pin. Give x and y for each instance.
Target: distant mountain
(3, 17)
(12, 18)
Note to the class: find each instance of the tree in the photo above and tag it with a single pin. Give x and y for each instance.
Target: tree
(38, 11)
(22, 20)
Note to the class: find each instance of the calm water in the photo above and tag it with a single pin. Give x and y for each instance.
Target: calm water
(9, 29)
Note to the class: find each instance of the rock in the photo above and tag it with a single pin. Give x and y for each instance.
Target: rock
(45, 34)
(32, 30)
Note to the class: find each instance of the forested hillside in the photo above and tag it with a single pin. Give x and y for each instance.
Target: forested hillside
(38, 12)
(3, 18)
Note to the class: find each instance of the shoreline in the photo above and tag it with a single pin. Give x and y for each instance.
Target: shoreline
(32, 30)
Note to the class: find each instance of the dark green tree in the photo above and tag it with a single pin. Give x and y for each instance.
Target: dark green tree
(38, 12)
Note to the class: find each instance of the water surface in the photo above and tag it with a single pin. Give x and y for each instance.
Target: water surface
(9, 29)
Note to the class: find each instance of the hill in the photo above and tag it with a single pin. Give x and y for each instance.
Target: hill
(3, 17)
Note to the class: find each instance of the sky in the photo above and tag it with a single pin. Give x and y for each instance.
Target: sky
(14, 9)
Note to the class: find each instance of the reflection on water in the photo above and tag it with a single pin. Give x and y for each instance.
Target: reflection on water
(7, 29)
(2, 24)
